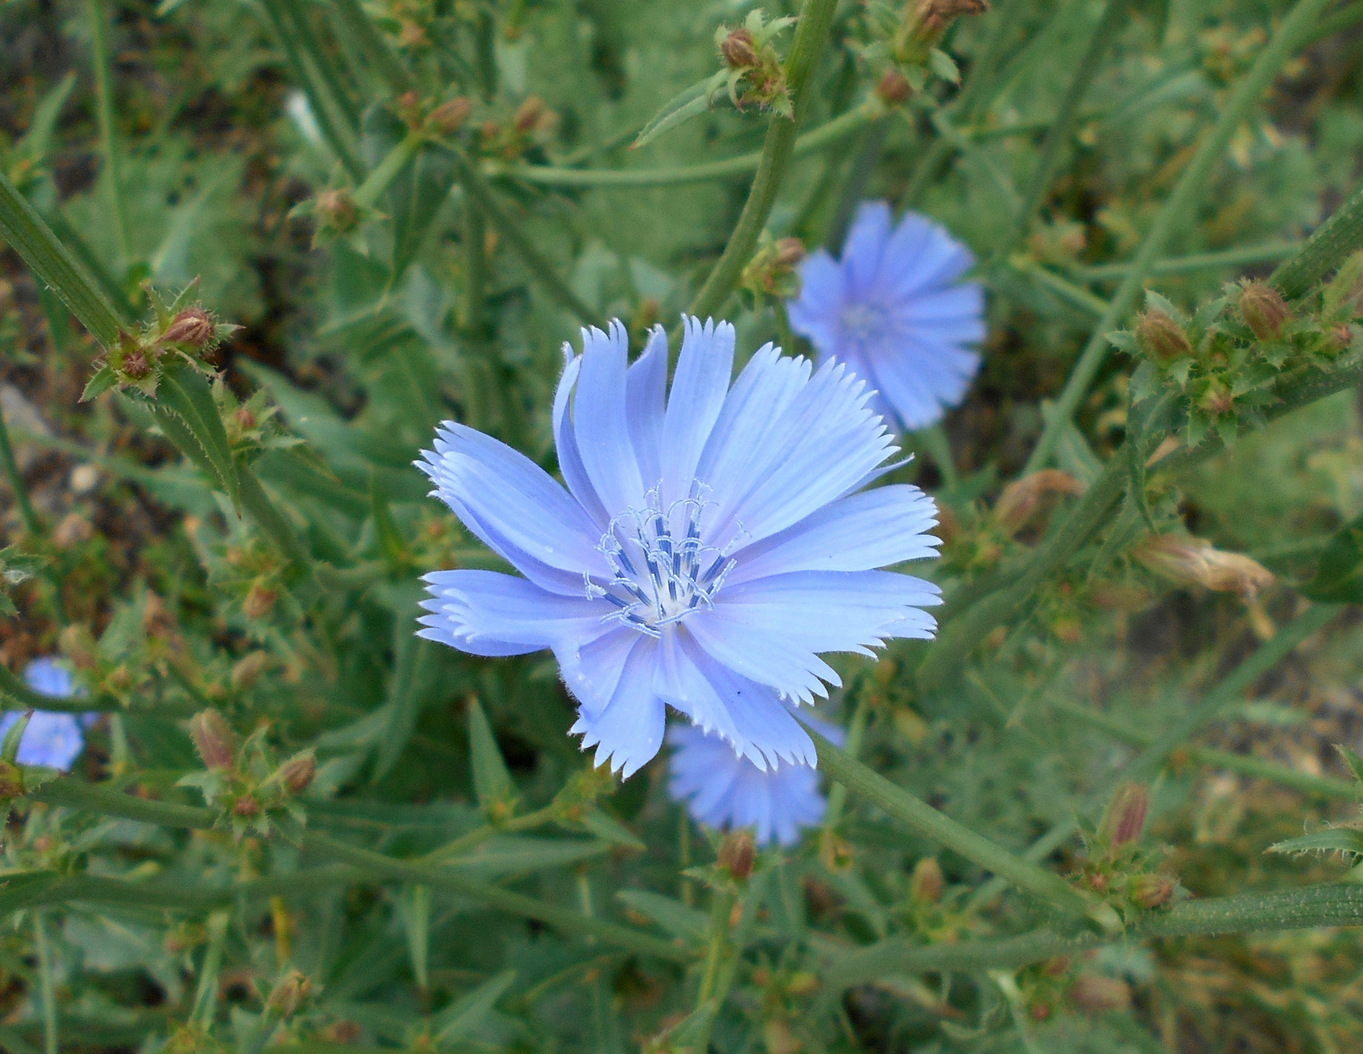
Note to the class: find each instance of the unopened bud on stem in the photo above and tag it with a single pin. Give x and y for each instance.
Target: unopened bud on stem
(1162, 337)
(737, 854)
(213, 739)
(1265, 310)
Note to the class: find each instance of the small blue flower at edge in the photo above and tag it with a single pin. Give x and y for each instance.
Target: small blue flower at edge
(711, 544)
(894, 311)
(52, 739)
(724, 790)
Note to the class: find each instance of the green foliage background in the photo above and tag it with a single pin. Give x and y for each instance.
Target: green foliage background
(455, 877)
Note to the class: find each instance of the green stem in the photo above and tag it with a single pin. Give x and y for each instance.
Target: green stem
(1254, 254)
(1327, 248)
(811, 34)
(373, 45)
(829, 134)
(929, 822)
(206, 995)
(104, 98)
(1191, 184)
(46, 987)
(368, 193)
(1245, 764)
(32, 239)
(271, 521)
(479, 835)
(76, 794)
(16, 481)
(1327, 905)
(322, 61)
(1061, 288)
(1058, 136)
(481, 197)
(13, 687)
(856, 735)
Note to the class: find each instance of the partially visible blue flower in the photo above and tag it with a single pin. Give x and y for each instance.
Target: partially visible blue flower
(893, 310)
(50, 739)
(710, 546)
(724, 790)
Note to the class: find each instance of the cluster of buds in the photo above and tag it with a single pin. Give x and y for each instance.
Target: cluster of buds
(178, 331)
(906, 44)
(1118, 868)
(250, 425)
(754, 74)
(530, 126)
(771, 272)
(244, 781)
(1195, 561)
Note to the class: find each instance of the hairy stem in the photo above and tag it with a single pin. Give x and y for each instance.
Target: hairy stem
(104, 98)
(1327, 248)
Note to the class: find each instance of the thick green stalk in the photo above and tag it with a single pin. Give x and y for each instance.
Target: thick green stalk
(1331, 244)
(1328, 905)
(811, 34)
(929, 822)
(481, 197)
(368, 193)
(47, 988)
(104, 98)
(1058, 136)
(830, 134)
(33, 240)
(1191, 184)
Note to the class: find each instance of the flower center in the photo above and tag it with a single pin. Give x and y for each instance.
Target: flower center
(864, 323)
(662, 570)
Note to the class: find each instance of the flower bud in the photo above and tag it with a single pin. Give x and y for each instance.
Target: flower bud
(1162, 337)
(928, 882)
(136, 365)
(260, 600)
(528, 115)
(297, 773)
(193, 326)
(1194, 561)
(1150, 891)
(934, 17)
(789, 252)
(1125, 819)
(1021, 498)
(1265, 310)
(449, 116)
(737, 854)
(1095, 993)
(336, 209)
(893, 88)
(247, 670)
(246, 807)
(289, 994)
(213, 739)
(739, 50)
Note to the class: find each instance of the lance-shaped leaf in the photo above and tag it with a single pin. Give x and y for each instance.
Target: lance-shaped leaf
(689, 103)
(186, 412)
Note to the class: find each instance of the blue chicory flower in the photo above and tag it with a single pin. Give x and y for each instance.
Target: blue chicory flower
(50, 739)
(710, 546)
(893, 310)
(724, 790)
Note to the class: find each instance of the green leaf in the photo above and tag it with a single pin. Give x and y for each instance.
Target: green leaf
(407, 687)
(1339, 575)
(458, 1020)
(692, 102)
(690, 924)
(1330, 840)
(414, 909)
(186, 411)
(944, 66)
(104, 378)
(1351, 759)
(491, 779)
(522, 854)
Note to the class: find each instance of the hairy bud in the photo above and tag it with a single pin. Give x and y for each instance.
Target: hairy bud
(247, 807)
(297, 773)
(1095, 993)
(193, 326)
(1194, 561)
(737, 854)
(739, 50)
(1021, 498)
(289, 994)
(136, 365)
(529, 114)
(1125, 818)
(1265, 310)
(1162, 337)
(928, 882)
(893, 88)
(213, 739)
(1150, 891)
(336, 209)
(449, 117)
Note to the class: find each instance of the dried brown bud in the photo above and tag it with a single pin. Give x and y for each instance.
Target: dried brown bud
(893, 88)
(1194, 561)
(289, 994)
(1150, 891)
(449, 116)
(1265, 310)
(529, 114)
(934, 17)
(297, 773)
(1021, 498)
(246, 807)
(1125, 819)
(193, 326)
(213, 739)
(928, 882)
(260, 600)
(336, 209)
(739, 50)
(1095, 993)
(1162, 337)
(136, 365)
(737, 854)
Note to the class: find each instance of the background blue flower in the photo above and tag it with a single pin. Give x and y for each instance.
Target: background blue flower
(893, 309)
(709, 548)
(724, 790)
(50, 738)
